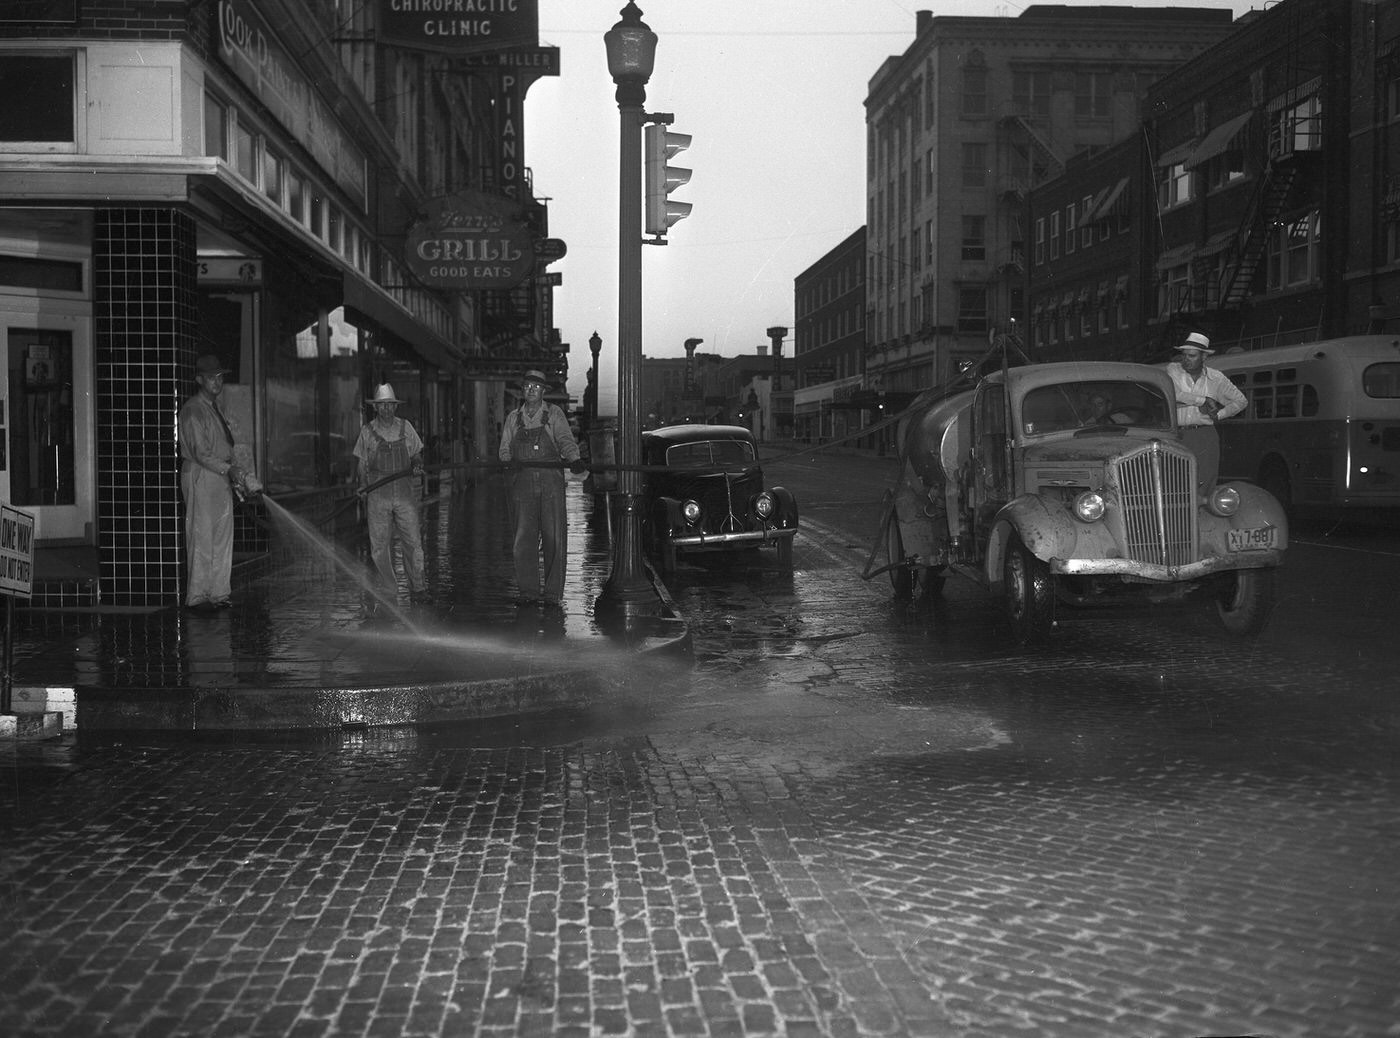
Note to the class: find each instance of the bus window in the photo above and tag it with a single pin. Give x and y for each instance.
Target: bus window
(1286, 402)
(1263, 377)
(1382, 380)
(1263, 402)
(1310, 405)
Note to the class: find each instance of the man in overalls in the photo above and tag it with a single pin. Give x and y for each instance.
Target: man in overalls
(537, 433)
(390, 446)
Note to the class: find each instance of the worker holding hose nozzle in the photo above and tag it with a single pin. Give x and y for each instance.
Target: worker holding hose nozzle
(209, 480)
(389, 446)
(537, 443)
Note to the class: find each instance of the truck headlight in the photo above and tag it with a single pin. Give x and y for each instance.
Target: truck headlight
(1223, 501)
(1089, 506)
(690, 511)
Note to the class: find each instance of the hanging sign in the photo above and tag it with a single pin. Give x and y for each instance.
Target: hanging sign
(471, 240)
(459, 26)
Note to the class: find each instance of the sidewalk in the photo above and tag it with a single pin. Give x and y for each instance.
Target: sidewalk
(295, 651)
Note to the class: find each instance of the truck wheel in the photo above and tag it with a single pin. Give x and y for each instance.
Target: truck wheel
(1245, 600)
(901, 577)
(1030, 594)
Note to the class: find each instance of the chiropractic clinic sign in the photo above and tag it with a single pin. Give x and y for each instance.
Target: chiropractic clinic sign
(459, 26)
(471, 240)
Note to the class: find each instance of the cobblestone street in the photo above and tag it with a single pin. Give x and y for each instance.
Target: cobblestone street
(812, 834)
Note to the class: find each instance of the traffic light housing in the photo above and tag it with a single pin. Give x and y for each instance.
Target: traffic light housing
(663, 178)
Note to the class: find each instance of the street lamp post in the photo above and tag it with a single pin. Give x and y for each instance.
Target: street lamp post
(631, 47)
(590, 411)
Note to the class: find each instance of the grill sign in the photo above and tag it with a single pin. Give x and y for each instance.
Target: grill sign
(471, 240)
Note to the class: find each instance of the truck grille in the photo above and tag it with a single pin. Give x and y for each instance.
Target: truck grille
(1157, 487)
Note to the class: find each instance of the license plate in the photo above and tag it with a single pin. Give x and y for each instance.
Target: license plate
(1260, 538)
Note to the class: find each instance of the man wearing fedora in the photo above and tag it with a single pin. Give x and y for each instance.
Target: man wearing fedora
(537, 442)
(390, 455)
(1204, 396)
(209, 478)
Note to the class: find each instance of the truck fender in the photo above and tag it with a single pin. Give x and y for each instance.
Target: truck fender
(1045, 532)
(1257, 508)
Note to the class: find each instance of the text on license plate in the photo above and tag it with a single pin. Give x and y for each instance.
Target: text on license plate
(1260, 538)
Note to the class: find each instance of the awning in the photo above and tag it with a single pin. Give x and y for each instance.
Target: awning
(368, 300)
(1103, 208)
(1219, 139)
(1175, 257)
(1180, 153)
(1091, 211)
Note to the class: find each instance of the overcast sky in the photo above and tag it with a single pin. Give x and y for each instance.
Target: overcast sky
(772, 93)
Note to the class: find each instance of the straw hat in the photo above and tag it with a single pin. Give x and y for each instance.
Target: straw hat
(384, 394)
(1196, 341)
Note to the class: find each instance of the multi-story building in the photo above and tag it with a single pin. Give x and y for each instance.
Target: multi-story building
(235, 177)
(973, 115)
(829, 341)
(1086, 270)
(1254, 162)
(1373, 257)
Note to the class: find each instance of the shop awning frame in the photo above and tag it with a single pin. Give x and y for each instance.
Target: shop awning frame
(1218, 141)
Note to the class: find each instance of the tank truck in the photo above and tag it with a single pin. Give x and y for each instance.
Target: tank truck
(1066, 486)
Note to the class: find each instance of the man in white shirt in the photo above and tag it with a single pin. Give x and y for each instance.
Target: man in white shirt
(1204, 396)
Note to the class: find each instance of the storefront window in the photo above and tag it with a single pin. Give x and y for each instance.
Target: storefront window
(295, 457)
(301, 455)
(41, 431)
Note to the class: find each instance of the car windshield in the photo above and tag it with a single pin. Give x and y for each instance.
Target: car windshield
(710, 454)
(1097, 404)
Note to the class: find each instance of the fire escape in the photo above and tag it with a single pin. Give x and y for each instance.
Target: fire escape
(1292, 157)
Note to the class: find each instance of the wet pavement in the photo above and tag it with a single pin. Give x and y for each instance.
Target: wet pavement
(297, 650)
(843, 820)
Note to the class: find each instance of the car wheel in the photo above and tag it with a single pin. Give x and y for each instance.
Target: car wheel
(1030, 594)
(901, 577)
(1245, 600)
(785, 554)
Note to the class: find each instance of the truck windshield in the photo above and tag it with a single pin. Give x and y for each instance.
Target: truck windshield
(1081, 405)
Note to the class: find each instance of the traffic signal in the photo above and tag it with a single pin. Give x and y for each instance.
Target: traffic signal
(662, 179)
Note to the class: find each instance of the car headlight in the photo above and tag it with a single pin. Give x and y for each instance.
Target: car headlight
(691, 512)
(1089, 506)
(1224, 501)
(764, 506)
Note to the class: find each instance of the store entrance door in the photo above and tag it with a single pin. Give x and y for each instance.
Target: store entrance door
(46, 417)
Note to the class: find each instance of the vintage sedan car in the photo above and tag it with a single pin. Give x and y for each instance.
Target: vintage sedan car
(703, 491)
(1068, 485)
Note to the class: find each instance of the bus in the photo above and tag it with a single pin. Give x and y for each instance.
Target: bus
(1322, 428)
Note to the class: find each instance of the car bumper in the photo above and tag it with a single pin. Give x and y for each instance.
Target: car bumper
(740, 539)
(1166, 574)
